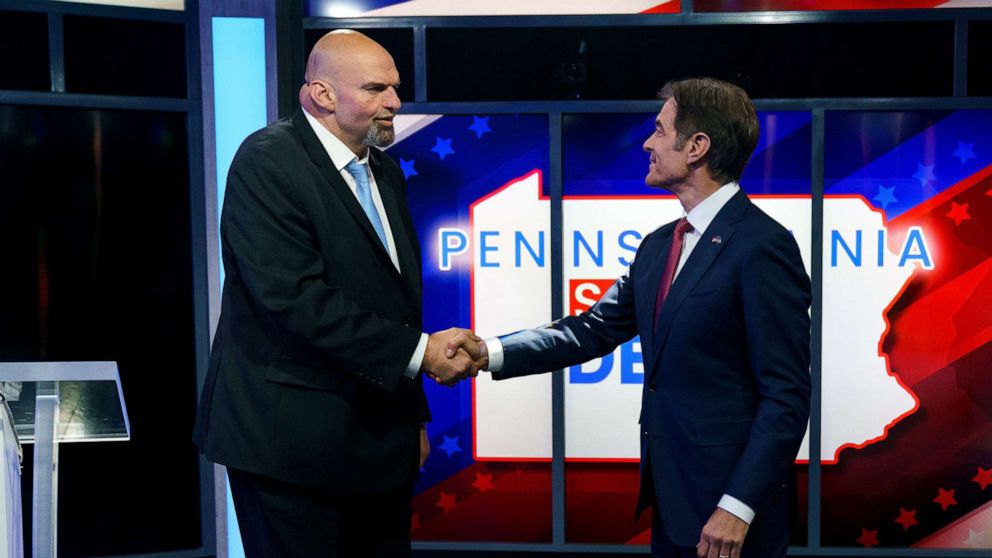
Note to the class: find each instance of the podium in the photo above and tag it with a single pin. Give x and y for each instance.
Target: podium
(61, 402)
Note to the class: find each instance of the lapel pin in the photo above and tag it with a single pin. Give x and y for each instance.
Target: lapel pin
(716, 239)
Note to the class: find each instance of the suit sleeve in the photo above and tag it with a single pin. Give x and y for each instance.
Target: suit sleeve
(572, 339)
(775, 293)
(269, 239)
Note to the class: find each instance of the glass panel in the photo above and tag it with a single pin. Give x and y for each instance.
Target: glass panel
(25, 33)
(607, 210)
(124, 57)
(477, 196)
(96, 237)
(769, 61)
(907, 335)
(980, 58)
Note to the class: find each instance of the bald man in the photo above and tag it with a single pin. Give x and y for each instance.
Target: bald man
(313, 398)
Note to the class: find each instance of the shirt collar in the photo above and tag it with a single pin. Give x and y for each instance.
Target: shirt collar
(703, 214)
(339, 153)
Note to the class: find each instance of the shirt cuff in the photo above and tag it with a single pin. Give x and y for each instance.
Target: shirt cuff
(417, 360)
(736, 507)
(495, 349)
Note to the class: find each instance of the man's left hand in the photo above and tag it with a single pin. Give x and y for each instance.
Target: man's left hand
(722, 536)
(425, 446)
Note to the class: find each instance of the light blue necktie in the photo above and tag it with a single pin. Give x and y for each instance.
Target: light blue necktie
(360, 173)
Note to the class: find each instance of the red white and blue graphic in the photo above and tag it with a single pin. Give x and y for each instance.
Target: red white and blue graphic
(830, 5)
(923, 480)
(401, 8)
(450, 162)
(906, 280)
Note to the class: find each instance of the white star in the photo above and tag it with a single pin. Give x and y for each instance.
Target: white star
(979, 539)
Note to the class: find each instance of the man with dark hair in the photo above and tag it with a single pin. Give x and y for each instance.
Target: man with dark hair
(314, 398)
(720, 299)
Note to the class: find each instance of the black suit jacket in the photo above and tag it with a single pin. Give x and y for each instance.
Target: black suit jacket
(726, 392)
(306, 379)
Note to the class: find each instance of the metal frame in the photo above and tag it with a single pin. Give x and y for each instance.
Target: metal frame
(556, 110)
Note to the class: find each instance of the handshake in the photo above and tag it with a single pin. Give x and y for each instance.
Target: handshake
(453, 355)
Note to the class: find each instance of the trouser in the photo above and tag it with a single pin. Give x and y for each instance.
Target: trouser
(280, 519)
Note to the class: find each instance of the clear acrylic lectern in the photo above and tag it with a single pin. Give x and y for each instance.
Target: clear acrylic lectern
(61, 402)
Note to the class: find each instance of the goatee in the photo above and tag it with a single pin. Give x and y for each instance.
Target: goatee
(379, 135)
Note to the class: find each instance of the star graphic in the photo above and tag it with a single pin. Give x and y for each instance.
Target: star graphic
(415, 522)
(907, 518)
(446, 502)
(979, 539)
(483, 483)
(924, 174)
(945, 498)
(407, 167)
(959, 213)
(450, 446)
(868, 538)
(442, 147)
(983, 478)
(885, 196)
(481, 126)
(965, 151)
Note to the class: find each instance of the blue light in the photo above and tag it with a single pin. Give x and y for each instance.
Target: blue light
(239, 109)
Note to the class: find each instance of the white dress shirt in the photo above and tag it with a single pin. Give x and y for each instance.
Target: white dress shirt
(340, 156)
(700, 218)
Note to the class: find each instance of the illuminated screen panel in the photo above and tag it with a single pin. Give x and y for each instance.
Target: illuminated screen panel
(607, 210)
(479, 199)
(907, 332)
(829, 5)
(403, 8)
(177, 5)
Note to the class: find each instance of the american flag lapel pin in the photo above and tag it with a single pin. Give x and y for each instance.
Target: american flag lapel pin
(717, 239)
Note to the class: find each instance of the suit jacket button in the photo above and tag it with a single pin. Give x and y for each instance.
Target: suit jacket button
(407, 321)
(651, 387)
(645, 432)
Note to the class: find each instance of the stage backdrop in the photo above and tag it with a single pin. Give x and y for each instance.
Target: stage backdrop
(905, 421)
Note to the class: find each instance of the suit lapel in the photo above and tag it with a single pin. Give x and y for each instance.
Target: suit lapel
(709, 247)
(320, 157)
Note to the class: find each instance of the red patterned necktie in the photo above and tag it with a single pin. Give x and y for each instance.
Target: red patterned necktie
(674, 252)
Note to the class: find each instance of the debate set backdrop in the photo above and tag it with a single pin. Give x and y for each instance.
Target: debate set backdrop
(906, 426)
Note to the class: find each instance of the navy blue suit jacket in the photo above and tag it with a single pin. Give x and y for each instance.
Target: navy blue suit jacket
(726, 393)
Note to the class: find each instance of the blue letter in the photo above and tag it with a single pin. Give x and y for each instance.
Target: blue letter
(628, 358)
(483, 248)
(629, 247)
(836, 239)
(597, 256)
(915, 239)
(521, 241)
(450, 242)
(881, 248)
(577, 376)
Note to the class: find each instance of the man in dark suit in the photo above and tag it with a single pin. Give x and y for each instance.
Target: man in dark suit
(720, 300)
(314, 398)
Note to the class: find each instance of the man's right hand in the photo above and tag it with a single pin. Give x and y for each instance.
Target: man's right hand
(465, 340)
(446, 366)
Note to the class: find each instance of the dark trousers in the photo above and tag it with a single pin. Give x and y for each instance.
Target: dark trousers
(283, 520)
